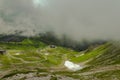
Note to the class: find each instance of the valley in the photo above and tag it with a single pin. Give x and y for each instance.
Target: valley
(25, 61)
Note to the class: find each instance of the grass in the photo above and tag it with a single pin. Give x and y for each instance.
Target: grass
(24, 45)
(109, 57)
(108, 75)
(91, 54)
(29, 57)
(33, 58)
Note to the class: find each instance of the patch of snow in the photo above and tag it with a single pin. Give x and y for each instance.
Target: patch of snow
(72, 66)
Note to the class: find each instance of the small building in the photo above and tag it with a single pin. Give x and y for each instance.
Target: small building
(2, 52)
(52, 46)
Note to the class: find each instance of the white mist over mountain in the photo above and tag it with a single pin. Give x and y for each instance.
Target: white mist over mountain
(41, 3)
(79, 19)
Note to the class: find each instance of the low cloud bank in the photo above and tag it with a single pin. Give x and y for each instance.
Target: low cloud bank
(78, 19)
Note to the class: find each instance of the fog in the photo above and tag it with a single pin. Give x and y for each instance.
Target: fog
(78, 19)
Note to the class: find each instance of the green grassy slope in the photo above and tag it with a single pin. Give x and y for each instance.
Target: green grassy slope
(90, 54)
(31, 56)
(110, 57)
(105, 66)
(26, 55)
(24, 45)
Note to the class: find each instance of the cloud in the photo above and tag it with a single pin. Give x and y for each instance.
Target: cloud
(79, 19)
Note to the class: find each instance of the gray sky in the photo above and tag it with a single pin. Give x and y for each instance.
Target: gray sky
(91, 19)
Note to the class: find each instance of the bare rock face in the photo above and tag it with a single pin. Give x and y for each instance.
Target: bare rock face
(30, 76)
(33, 76)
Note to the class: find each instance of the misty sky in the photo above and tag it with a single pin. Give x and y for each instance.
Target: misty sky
(91, 19)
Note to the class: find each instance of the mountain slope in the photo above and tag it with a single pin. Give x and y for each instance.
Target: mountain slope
(105, 66)
(100, 62)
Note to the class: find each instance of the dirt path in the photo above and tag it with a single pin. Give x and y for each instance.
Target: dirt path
(22, 60)
(102, 69)
(10, 56)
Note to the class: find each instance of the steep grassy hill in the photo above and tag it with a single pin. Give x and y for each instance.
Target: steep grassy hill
(105, 66)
